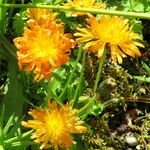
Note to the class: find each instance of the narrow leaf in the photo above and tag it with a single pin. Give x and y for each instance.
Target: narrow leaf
(8, 124)
(143, 79)
(146, 67)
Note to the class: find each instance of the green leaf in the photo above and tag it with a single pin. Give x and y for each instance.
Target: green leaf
(14, 99)
(8, 124)
(1, 121)
(38, 1)
(19, 22)
(137, 26)
(70, 91)
(54, 97)
(16, 138)
(97, 109)
(13, 129)
(91, 108)
(143, 79)
(58, 78)
(146, 67)
(22, 144)
(138, 7)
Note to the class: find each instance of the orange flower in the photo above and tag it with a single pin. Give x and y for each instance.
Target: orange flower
(40, 14)
(54, 126)
(84, 4)
(45, 18)
(42, 50)
(113, 31)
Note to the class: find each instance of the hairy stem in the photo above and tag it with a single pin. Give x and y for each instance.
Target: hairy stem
(99, 73)
(71, 75)
(80, 80)
(88, 10)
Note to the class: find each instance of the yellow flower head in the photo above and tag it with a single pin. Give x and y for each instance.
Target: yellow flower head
(113, 31)
(42, 50)
(44, 17)
(84, 4)
(54, 126)
(39, 14)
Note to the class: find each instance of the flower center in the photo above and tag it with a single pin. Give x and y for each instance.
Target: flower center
(55, 124)
(43, 46)
(110, 35)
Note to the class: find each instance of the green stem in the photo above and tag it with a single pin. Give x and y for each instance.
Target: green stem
(87, 106)
(71, 75)
(80, 80)
(54, 96)
(14, 139)
(99, 73)
(98, 77)
(88, 10)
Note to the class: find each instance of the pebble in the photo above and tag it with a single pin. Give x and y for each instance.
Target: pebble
(131, 140)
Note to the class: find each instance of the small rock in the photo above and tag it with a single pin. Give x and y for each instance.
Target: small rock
(140, 147)
(131, 140)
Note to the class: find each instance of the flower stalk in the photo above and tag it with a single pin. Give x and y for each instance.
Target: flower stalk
(80, 80)
(89, 10)
(71, 75)
(99, 73)
(98, 77)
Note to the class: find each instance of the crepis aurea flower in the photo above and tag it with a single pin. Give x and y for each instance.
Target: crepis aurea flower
(54, 125)
(84, 4)
(45, 18)
(113, 31)
(40, 15)
(43, 48)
